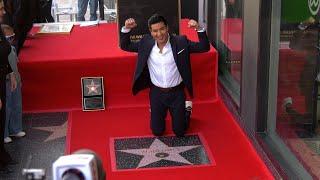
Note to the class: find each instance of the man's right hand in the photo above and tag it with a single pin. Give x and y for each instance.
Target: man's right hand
(130, 23)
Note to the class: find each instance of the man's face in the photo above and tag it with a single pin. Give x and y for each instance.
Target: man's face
(159, 32)
(2, 11)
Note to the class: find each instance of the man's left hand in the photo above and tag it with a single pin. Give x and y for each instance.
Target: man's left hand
(193, 24)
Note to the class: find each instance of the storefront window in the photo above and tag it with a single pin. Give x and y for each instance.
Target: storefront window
(298, 82)
(230, 47)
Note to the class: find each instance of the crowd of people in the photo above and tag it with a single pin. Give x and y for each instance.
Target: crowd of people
(10, 86)
(16, 20)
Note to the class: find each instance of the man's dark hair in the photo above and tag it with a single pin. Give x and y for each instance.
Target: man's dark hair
(156, 18)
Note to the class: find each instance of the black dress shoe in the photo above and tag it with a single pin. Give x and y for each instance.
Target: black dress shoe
(188, 117)
(180, 135)
(5, 170)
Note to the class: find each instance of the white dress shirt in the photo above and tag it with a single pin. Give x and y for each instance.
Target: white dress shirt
(162, 67)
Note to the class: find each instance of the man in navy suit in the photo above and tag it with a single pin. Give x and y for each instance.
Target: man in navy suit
(164, 66)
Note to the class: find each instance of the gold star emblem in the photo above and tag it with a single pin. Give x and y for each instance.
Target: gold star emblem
(93, 88)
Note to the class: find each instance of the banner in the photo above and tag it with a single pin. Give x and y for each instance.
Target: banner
(141, 10)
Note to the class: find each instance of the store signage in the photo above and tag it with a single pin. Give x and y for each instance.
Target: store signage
(314, 6)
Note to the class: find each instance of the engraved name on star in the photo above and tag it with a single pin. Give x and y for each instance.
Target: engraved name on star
(159, 151)
(93, 88)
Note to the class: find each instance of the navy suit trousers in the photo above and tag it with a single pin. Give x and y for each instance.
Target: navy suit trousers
(160, 103)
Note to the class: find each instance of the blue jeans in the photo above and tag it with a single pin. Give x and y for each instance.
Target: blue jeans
(82, 9)
(13, 123)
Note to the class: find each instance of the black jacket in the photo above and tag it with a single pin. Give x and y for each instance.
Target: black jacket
(181, 49)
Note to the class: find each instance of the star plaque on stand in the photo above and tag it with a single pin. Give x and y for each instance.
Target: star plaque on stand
(92, 93)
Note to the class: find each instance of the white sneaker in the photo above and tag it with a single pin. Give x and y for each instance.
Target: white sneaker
(189, 106)
(7, 140)
(287, 102)
(19, 134)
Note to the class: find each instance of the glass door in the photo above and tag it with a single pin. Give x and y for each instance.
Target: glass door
(298, 82)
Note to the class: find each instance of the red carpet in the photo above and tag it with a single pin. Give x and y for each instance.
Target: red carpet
(232, 152)
(51, 68)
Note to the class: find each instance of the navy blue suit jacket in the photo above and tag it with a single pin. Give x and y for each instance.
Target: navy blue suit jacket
(181, 49)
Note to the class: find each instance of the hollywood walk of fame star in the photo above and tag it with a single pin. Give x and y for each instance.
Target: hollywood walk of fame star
(93, 88)
(159, 151)
(57, 131)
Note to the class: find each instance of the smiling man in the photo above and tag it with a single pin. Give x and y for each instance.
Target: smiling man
(164, 67)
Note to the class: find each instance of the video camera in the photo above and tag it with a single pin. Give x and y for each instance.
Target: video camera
(81, 165)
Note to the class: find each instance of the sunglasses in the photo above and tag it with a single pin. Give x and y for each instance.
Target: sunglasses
(10, 38)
